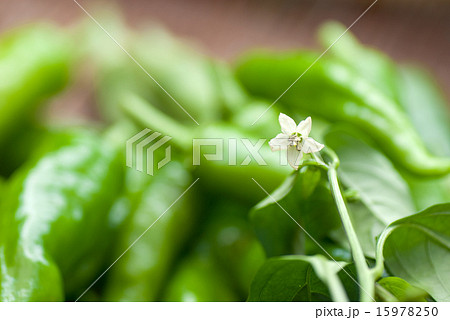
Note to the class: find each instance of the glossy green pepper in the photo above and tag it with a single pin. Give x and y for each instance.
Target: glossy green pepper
(336, 93)
(140, 274)
(199, 279)
(2, 186)
(55, 219)
(34, 64)
(223, 260)
(233, 242)
(182, 77)
(372, 64)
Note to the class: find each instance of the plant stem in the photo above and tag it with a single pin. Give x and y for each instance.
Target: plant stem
(377, 271)
(337, 290)
(384, 294)
(365, 278)
(145, 113)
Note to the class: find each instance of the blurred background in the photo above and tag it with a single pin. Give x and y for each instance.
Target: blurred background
(407, 30)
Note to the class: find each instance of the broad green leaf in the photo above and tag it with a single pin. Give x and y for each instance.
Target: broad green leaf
(294, 278)
(303, 197)
(401, 290)
(384, 195)
(304, 278)
(428, 191)
(417, 249)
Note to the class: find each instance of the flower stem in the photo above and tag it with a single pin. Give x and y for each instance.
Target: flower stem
(365, 278)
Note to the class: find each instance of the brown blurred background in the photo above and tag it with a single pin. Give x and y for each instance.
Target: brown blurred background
(407, 30)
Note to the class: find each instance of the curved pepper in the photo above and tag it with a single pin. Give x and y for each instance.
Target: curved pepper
(55, 218)
(338, 94)
(140, 274)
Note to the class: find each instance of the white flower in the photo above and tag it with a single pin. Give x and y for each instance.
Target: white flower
(295, 139)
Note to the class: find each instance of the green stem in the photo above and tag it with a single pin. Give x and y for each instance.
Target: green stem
(148, 115)
(384, 294)
(366, 281)
(377, 271)
(337, 290)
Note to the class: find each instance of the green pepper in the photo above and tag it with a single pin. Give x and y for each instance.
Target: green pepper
(2, 186)
(198, 279)
(222, 261)
(56, 219)
(140, 274)
(417, 89)
(232, 95)
(200, 276)
(336, 93)
(373, 65)
(188, 75)
(21, 147)
(34, 64)
(175, 76)
(233, 176)
(267, 126)
(233, 242)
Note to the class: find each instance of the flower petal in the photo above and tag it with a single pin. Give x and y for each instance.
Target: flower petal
(310, 145)
(304, 127)
(279, 142)
(287, 124)
(294, 157)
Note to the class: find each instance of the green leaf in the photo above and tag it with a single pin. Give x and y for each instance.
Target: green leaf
(401, 290)
(417, 249)
(384, 195)
(304, 197)
(298, 278)
(428, 191)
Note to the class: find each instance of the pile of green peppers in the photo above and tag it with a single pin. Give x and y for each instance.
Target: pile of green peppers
(70, 208)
